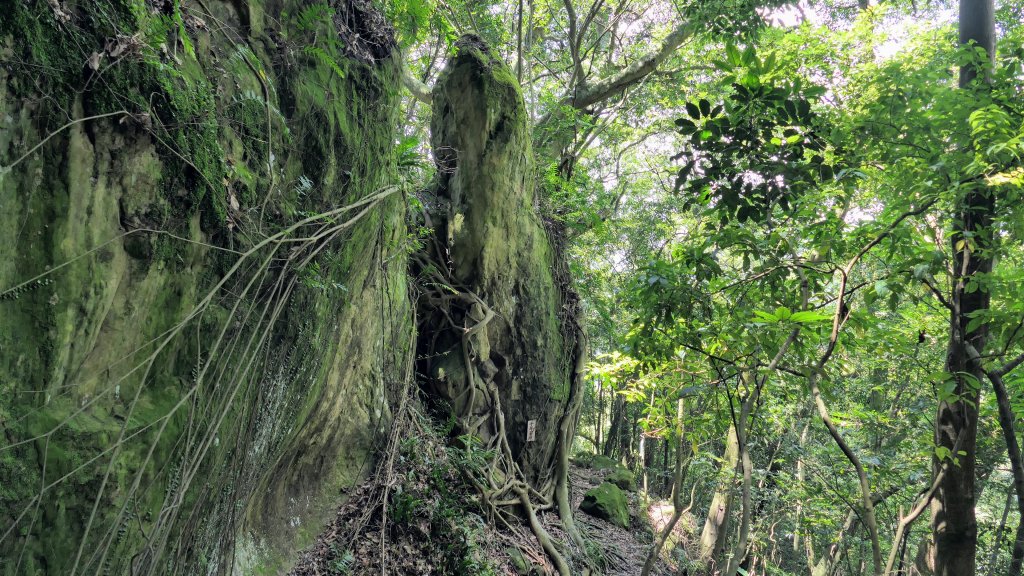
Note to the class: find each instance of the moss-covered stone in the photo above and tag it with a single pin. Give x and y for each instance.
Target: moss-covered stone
(622, 478)
(499, 250)
(602, 462)
(608, 502)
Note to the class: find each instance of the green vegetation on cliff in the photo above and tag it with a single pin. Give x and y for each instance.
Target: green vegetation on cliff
(204, 311)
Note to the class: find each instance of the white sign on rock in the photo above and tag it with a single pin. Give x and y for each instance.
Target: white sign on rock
(531, 430)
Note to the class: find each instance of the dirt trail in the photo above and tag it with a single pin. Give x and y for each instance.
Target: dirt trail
(419, 542)
(624, 549)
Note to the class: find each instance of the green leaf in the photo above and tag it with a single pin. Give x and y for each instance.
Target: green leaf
(809, 317)
(733, 54)
(749, 57)
(976, 323)
(814, 92)
(705, 107)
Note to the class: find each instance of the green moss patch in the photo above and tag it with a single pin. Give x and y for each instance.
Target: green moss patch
(601, 462)
(622, 478)
(202, 461)
(607, 502)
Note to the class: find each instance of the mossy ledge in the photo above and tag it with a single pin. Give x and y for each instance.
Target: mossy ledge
(175, 396)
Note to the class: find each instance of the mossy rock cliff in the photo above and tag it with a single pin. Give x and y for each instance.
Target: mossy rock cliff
(197, 345)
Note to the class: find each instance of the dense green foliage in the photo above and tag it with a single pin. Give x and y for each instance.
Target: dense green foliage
(765, 227)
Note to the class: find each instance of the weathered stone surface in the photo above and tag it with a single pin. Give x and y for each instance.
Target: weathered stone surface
(497, 248)
(608, 502)
(206, 420)
(622, 478)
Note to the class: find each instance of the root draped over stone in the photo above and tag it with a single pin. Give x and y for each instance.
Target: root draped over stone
(499, 343)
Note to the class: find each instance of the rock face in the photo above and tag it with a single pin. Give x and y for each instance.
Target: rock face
(607, 502)
(194, 365)
(492, 244)
(204, 314)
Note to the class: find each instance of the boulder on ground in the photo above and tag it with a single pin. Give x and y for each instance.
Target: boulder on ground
(607, 502)
(601, 462)
(622, 478)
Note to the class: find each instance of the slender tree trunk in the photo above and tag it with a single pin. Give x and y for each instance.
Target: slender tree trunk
(618, 406)
(642, 452)
(600, 417)
(630, 434)
(865, 486)
(954, 525)
(808, 539)
(682, 464)
(1013, 451)
(519, 43)
(716, 526)
(739, 551)
(828, 559)
(996, 542)
(664, 466)
(646, 453)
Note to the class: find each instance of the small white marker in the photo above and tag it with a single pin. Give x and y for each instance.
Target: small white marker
(531, 430)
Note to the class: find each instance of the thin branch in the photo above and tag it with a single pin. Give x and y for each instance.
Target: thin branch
(633, 73)
(920, 507)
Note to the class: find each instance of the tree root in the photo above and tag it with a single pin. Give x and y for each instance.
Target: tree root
(501, 483)
(542, 535)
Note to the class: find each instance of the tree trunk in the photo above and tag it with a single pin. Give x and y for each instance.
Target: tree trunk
(682, 464)
(642, 452)
(807, 540)
(739, 551)
(631, 433)
(996, 542)
(1006, 422)
(665, 486)
(865, 486)
(954, 525)
(618, 407)
(716, 527)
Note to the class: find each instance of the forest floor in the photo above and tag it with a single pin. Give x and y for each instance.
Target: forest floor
(624, 550)
(420, 541)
